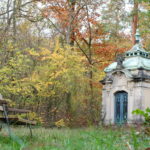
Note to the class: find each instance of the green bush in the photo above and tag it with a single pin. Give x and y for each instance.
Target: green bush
(144, 113)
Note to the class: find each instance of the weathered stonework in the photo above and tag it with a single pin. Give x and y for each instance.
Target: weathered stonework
(135, 81)
(138, 96)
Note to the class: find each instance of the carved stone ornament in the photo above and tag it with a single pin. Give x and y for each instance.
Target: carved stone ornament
(119, 59)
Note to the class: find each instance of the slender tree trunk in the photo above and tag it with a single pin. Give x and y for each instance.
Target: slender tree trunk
(90, 69)
(8, 15)
(14, 19)
(135, 20)
(48, 109)
(91, 107)
(92, 116)
(70, 40)
(69, 106)
(70, 32)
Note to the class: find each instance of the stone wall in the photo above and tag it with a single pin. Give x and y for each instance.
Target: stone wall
(138, 97)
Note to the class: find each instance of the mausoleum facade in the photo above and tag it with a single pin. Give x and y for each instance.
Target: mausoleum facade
(126, 86)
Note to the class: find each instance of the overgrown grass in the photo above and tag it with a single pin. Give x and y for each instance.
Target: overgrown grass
(74, 139)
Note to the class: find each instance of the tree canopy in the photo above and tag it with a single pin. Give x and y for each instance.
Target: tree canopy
(53, 52)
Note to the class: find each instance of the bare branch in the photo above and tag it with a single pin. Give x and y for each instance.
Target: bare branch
(83, 51)
(21, 6)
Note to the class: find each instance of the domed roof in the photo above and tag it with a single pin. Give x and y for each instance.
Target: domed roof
(136, 58)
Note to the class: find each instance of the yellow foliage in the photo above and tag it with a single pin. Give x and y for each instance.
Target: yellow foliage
(60, 123)
(44, 51)
(10, 47)
(57, 70)
(11, 103)
(101, 75)
(31, 116)
(33, 53)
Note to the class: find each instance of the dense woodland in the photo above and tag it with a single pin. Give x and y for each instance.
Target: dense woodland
(53, 52)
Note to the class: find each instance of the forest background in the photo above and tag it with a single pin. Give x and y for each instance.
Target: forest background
(53, 52)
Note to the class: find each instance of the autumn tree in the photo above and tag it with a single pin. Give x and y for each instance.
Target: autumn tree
(53, 52)
(74, 21)
(135, 19)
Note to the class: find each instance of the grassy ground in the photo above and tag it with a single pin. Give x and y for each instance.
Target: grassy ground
(74, 139)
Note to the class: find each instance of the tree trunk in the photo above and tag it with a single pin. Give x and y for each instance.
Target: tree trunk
(92, 116)
(68, 106)
(8, 13)
(70, 35)
(135, 20)
(70, 40)
(14, 19)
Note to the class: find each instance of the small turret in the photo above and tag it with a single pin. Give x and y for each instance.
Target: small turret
(137, 57)
(137, 36)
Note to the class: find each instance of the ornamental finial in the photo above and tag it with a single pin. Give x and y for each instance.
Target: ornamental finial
(137, 36)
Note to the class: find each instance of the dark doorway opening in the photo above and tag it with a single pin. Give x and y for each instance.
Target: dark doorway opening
(121, 107)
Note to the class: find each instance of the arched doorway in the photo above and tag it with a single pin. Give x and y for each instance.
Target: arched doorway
(121, 107)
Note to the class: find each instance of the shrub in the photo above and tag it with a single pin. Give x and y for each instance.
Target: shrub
(144, 113)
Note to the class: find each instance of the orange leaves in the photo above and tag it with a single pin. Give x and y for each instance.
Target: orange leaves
(105, 52)
(73, 18)
(92, 20)
(108, 49)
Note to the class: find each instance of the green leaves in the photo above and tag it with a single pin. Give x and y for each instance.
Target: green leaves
(145, 114)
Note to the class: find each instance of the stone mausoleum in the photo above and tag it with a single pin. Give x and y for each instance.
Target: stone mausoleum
(126, 86)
